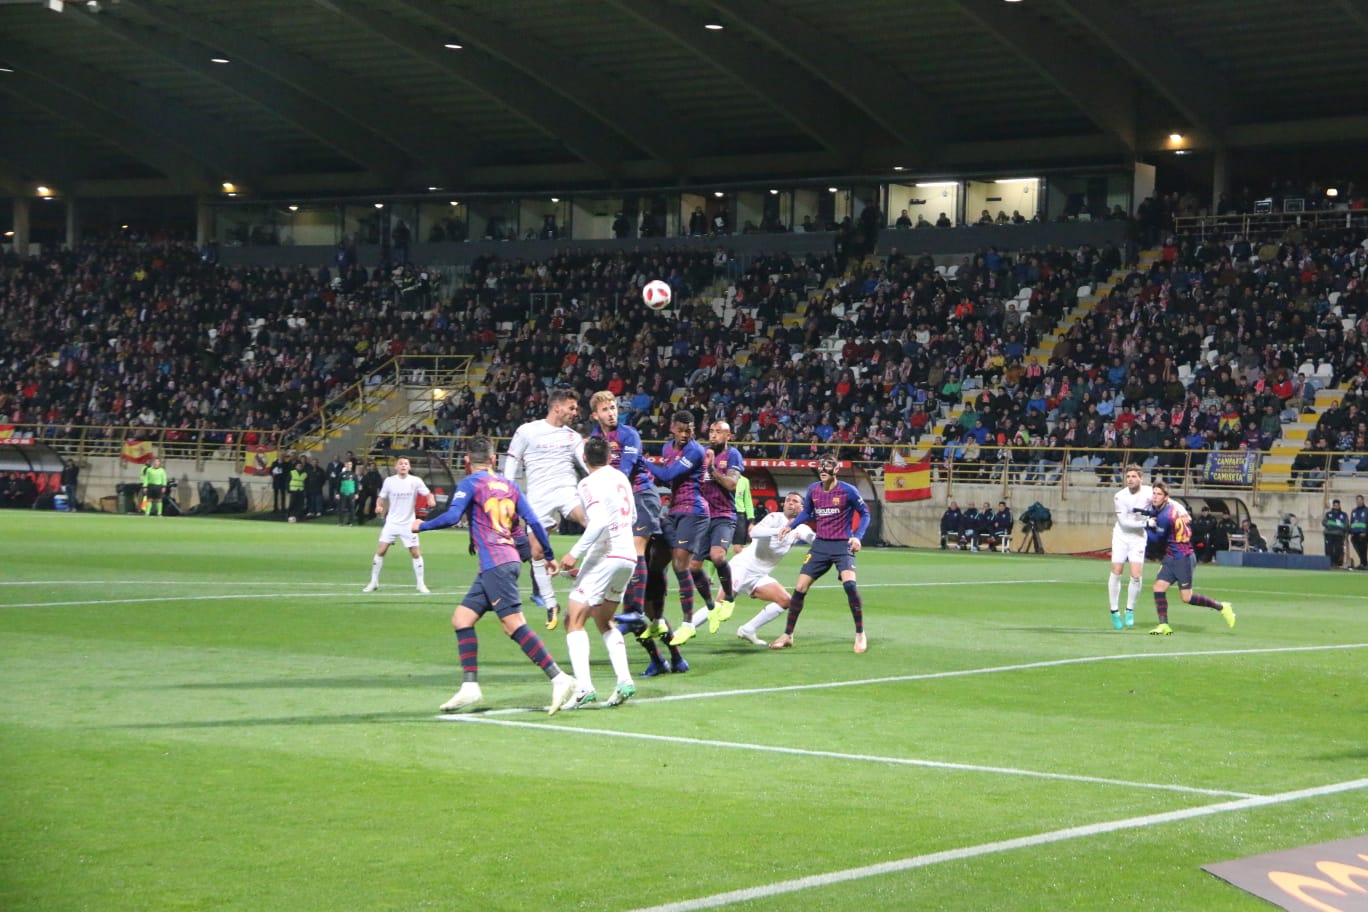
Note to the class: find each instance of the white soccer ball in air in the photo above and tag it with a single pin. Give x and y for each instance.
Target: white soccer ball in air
(656, 294)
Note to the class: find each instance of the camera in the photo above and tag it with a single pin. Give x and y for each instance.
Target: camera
(1287, 537)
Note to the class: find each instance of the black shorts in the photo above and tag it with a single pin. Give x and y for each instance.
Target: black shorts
(496, 590)
(825, 553)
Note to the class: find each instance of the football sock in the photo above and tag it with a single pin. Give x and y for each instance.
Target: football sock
(418, 570)
(702, 586)
(856, 604)
(468, 648)
(795, 609)
(1114, 591)
(577, 644)
(617, 654)
(535, 649)
(1205, 601)
(686, 592)
(767, 614)
(724, 581)
(542, 580)
(1132, 593)
(634, 599)
(652, 649)
(376, 563)
(1161, 606)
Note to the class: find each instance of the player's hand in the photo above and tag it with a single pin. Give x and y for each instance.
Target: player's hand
(567, 562)
(708, 457)
(784, 533)
(1151, 523)
(552, 568)
(854, 545)
(416, 523)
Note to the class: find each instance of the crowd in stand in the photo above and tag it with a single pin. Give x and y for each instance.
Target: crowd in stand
(1217, 345)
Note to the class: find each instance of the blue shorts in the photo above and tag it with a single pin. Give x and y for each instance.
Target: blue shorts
(1178, 570)
(685, 531)
(495, 589)
(826, 552)
(648, 514)
(720, 532)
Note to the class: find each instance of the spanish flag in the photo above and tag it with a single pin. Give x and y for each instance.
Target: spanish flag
(258, 460)
(908, 482)
(139, 451)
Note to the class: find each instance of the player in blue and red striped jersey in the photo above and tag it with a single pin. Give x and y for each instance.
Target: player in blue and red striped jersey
(644, 600)
(1171, 527)
(830, 507)
(491, 502)
(687, 522)
(723, 465)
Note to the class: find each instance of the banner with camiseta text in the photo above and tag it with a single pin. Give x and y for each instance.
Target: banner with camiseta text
(907, 482)
(258, 460)
(139, 451)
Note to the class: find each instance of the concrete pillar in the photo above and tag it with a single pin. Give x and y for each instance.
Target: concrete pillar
(1220, 175)
(21, 224)
(204, 222)
(73, 230)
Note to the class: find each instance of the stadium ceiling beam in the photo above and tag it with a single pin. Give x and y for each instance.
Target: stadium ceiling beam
(1103, 93)
(817, 110)
(269, 92)
(438, 146)
(203, 138)
(139, 142)
(519, 93)
(891, 100)
(1356, 10)
(1196, 89)
(640, 119)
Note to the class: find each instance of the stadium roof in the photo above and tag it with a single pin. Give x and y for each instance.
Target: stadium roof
(333, 96)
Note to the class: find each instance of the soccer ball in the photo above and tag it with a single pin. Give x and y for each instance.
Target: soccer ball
(657, 295)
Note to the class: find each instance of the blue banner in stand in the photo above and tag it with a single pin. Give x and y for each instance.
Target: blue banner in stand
(1231, 467)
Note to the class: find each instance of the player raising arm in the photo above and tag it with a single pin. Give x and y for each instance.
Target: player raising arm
(490, 502)
(752, 569)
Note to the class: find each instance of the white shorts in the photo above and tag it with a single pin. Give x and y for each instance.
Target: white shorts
(603, 579)
(404, 533)
(1127, 547)
(554, 505)
(747, 576)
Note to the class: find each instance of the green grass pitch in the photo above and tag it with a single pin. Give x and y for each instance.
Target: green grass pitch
(208, 714)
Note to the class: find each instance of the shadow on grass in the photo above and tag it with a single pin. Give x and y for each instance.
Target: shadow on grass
(414, 715)
(352, 682)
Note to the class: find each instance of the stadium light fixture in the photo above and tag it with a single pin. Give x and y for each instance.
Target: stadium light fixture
(714, 26)
(43, 191)
(719, 194)
(455, 203)
(219, 60)
(379, 205)
(555, 199)
(1014, 180)
(899, 168)
(774, 193)
(294, 208)
(9, 234)
(5, 69)
(1175, 138)
(229, 187)
(1332, 192)
(939, 184)
(452, 46)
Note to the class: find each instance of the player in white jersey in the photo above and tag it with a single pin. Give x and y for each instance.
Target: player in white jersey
(1132, 505)
(752, 568)
(541, 459)
(609, 552)
(400, 497)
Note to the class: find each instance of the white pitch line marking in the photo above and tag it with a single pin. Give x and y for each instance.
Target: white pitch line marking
(169, 598)
(964, 672)
(482, 718)
(1006, 845)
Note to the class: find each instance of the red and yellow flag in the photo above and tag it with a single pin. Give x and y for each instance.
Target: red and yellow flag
(258, 459)
(908, 482)
(139, 451)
